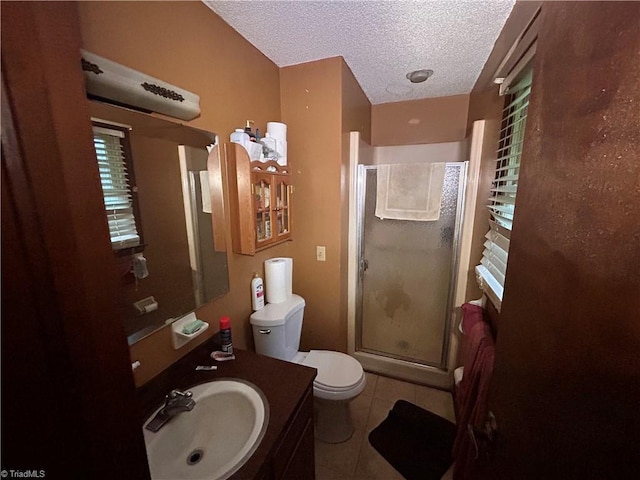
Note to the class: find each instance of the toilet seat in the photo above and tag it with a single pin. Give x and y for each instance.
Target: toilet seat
(340, 377)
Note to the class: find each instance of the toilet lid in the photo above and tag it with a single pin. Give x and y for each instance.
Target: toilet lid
(335, 370)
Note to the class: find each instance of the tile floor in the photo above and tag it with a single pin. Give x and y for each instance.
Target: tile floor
(356, 459)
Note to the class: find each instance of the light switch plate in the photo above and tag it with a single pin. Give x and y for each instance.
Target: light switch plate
(321, 253)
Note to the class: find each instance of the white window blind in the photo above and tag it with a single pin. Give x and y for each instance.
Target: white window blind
(502, 203)
(116, 188)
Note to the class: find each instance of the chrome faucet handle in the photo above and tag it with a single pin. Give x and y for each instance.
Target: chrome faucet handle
(175, 402)
(178, 394)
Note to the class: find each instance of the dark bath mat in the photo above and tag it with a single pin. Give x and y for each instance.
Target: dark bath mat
(416, 442)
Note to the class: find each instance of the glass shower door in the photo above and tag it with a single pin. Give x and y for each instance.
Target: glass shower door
(407, 274)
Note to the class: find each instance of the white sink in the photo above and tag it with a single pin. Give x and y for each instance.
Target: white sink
(213, 440)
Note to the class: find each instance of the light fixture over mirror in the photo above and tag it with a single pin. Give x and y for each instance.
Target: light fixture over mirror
(181, 262)
(121, 85)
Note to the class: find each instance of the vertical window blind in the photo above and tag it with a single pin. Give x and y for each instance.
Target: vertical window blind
(116, 187)
(502, 203)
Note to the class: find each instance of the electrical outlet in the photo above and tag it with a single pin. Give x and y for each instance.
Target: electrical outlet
(321, 253)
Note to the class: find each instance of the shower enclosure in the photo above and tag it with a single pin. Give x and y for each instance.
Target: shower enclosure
(406, 280)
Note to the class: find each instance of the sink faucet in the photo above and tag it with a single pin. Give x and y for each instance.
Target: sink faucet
(174, 403)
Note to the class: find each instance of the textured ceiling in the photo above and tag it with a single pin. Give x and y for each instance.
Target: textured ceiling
(381, 41)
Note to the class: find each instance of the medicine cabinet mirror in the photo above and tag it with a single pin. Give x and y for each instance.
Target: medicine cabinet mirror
(182, 262)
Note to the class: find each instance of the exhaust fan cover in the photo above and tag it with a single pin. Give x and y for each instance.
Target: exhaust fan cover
(125, 86)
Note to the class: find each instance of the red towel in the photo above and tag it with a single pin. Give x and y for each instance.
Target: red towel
(473, 393)
(471, 314)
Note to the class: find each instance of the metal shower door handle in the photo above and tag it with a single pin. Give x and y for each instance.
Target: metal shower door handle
(364, 266)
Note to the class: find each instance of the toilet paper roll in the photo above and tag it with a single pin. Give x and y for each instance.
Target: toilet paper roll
(146, 305)
(152, 307)
(278, 279)
(277, 130)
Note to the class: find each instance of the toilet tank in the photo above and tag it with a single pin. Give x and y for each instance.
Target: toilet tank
(277, 328)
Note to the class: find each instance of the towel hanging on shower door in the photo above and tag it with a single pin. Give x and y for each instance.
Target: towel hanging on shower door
(410, 191)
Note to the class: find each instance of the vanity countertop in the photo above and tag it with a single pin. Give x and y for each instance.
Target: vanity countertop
(283, 383)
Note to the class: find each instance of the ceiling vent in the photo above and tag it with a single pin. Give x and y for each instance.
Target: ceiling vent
(109, 81)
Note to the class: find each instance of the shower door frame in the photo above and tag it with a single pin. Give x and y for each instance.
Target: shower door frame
(437, 375)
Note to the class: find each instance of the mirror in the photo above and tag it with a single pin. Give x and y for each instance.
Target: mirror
(182, 262)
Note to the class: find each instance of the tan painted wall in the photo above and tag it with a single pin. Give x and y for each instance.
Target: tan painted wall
(424, 153)
(356, 116)
(311, 107)
(320, 102)
(431, 120)
(186, 44)
(356, 107)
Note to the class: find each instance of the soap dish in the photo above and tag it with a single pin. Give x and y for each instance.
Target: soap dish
(178, 338)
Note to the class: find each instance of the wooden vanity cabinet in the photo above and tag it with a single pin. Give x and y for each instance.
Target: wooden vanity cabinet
(294, 456)
(260, 201)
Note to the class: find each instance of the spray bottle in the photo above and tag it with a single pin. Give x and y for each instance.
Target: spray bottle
(225, 335)
(257, 292)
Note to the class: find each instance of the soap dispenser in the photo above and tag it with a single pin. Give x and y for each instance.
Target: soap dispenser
(247, 130)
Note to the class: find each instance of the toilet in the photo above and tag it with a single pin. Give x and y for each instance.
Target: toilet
(340, 379)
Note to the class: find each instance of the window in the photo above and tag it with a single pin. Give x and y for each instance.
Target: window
(114, 163)
(502, 203)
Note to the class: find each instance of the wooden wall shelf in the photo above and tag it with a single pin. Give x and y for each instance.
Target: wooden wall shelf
(260, 201)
